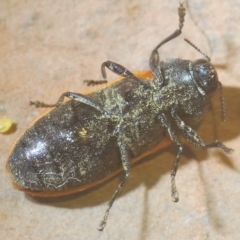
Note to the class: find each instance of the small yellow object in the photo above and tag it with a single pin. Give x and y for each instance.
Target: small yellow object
(5, 125)
(83, 132)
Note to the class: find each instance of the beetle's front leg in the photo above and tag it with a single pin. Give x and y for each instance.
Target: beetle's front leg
(192, 136)
(154, 61)
(75, 96)
(126, 167)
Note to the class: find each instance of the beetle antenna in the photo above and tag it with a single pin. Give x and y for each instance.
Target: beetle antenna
(194, 46)
(222, 102)
(197, 25)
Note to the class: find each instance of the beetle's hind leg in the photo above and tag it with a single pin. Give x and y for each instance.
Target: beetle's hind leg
(126, 167)
(75, 96)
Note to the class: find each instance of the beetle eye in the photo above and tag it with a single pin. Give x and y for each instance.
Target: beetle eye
(205, 75)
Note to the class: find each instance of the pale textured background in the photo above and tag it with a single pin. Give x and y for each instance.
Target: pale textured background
(49, 47)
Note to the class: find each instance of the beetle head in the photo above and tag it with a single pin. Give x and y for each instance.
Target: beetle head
(205, 75)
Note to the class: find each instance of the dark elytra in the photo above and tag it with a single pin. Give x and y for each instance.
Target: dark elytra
(88, 139)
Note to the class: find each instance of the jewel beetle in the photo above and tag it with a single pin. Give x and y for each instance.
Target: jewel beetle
(88, 139)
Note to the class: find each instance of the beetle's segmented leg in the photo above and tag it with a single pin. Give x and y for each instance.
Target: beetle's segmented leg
(118, 69)
(75, 96)
(39, 104)
(154, 61)
(175, 194)
(126, 167)
(91, 82)
(171, 132)
(192, 136)
(217, 144)
(114, 67)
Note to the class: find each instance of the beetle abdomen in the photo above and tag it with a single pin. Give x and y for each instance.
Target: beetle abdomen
(64, 150)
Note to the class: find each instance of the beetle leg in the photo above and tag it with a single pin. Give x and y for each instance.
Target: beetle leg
(171, 132)
(154, 61)
(126, 167)
(192, 136)
(39, 104)
(114, 67)
(118, 69)
(94, 82)
(75, 96)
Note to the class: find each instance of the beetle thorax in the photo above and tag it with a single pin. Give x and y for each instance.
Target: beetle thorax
(183, 88)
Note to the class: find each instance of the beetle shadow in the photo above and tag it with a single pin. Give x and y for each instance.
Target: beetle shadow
(149, 170)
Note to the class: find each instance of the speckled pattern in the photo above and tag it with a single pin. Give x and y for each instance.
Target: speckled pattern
(48, 48)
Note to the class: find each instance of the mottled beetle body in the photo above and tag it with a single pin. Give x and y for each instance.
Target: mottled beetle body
(54, 154)
(88, 139)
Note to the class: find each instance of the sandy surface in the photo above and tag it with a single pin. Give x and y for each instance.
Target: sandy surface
(49, 47)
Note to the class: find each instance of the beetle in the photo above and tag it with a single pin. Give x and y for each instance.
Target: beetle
(88, 139)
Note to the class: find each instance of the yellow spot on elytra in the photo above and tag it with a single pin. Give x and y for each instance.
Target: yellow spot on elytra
(83, 132)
